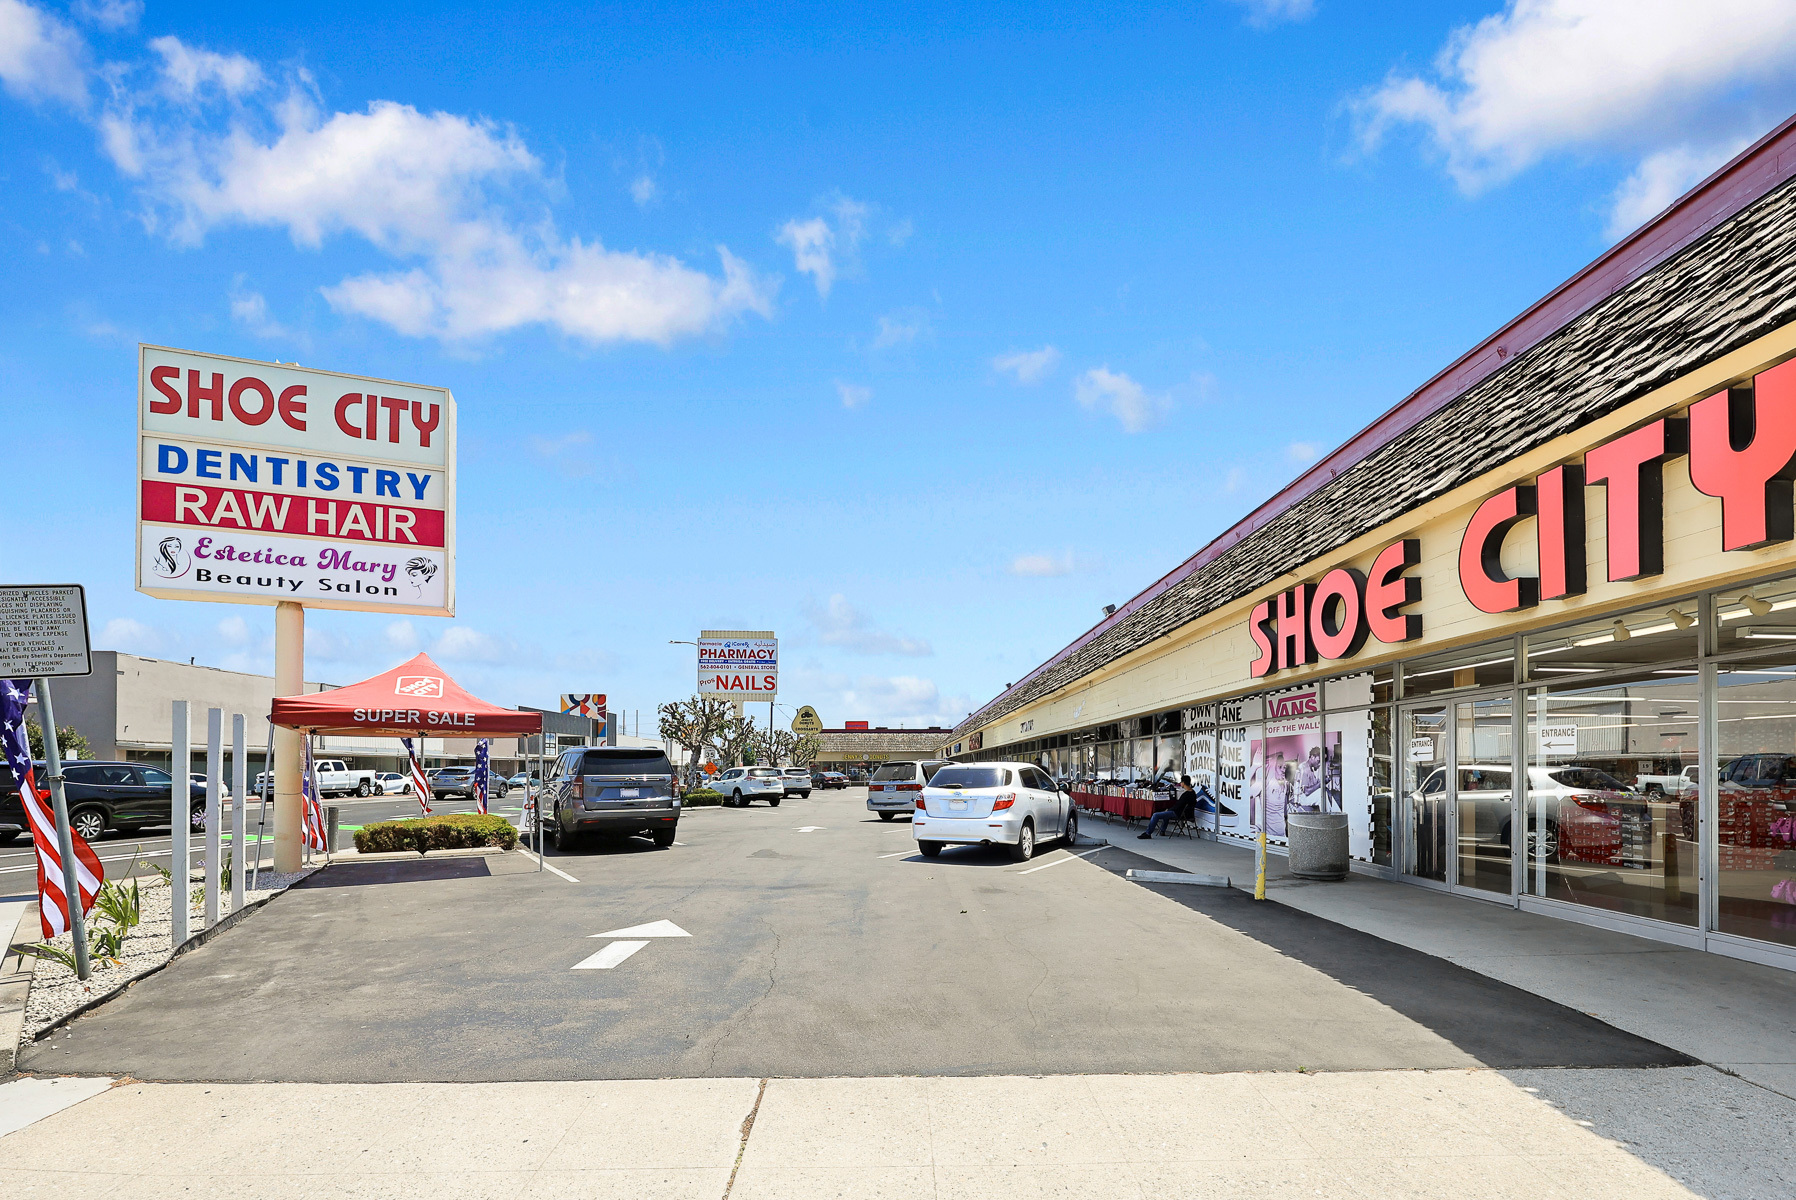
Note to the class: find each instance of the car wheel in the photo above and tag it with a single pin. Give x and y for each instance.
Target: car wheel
(196, 820)
(805, 795)
(736, 800)
(664, 837)
(1653, 789)
(929, 849)
(775, 802)
(1072, 827)
(1543, 846)
(87, 823)
(886, 816)
(364, 788)
(1024, 850)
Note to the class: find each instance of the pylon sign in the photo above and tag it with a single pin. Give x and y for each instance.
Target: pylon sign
(807, 721)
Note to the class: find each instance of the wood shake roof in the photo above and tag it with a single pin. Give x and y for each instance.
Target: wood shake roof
(1712, 273)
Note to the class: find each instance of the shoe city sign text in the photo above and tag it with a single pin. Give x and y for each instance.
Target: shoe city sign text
(1741, 447)
(342, 483)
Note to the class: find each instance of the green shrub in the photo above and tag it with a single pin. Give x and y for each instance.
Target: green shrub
(699, 797)
(455, 831)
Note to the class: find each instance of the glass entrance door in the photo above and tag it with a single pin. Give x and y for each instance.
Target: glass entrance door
(1425, 747)
(1483, 791)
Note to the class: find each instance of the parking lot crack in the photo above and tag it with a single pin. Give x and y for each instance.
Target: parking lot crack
(748, 1127)
(741, 1018)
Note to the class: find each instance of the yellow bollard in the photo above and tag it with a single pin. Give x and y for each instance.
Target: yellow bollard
(1259, 870)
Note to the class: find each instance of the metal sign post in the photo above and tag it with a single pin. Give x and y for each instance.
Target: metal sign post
(65, 841)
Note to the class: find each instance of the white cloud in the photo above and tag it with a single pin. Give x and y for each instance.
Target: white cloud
(822, 248)
(566, 452)
(234, 631)
(250, 309)
(890, 700)
(853, 394)
(900, 328)
(462, 643)
(1029, 366)
(1302, 452)
(425, 189)
(1551, 76)
(643, 190)
(839, 623)
(900, 232)
(1271, 12)
(41, 57)
(110, 15)
(122, 633)
(402, 636)
(1042, 566)
(1114, 392)
(187, 69)
(1660, 179)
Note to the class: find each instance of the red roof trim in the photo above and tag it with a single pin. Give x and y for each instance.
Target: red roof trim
(1749, 176)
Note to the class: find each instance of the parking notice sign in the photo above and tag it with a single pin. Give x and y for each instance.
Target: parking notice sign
(43, 631)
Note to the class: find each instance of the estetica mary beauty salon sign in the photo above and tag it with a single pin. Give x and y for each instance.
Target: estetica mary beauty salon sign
(260, 482)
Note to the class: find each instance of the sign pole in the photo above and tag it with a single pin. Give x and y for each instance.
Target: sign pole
(180, 765)
(65, 841)
(289, 680)
(239, 797)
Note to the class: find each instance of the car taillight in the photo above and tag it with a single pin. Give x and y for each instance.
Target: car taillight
(910, 787)
(579, 789)
(1004, 801)
(921, 807)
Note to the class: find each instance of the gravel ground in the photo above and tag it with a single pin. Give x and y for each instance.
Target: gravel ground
(55, 992)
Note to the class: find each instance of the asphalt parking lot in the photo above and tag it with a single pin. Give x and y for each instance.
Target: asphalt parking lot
(819, 944)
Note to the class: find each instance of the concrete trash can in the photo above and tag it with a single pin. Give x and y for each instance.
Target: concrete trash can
(1318, 845)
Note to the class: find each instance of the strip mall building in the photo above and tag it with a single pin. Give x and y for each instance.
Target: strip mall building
(1533, 630)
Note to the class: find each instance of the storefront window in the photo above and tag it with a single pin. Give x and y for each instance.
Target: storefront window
(1423, 794)
(1484, 732)
(1489, 665)
(1642, 638)
(1755, 801)
(1611, 795)
(1169, 756)
(1382, 786)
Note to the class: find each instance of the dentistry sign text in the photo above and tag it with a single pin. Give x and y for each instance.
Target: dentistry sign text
(260, 482)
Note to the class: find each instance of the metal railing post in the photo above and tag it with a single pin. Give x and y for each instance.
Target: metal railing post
(214, 785)
(179, 801)
(239, 798)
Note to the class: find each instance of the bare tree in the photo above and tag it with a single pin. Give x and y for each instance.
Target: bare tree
(736, 740)
(805, 750)
(695, 725)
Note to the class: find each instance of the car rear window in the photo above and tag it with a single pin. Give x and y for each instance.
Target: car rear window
(972, 777)
(645, 761)
(798, 772)
(764, 773)
(899, 771)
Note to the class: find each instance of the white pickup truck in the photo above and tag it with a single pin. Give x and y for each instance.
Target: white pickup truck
(336, 779)
(1679, 786)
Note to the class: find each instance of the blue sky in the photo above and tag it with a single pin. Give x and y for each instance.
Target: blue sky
(916, 335)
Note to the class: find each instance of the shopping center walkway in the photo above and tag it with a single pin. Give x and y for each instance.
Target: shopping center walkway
(1735, 1015)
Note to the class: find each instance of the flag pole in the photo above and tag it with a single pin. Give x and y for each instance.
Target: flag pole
(65, 842)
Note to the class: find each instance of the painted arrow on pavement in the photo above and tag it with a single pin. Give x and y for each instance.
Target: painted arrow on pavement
(618, 951)
(809, 828)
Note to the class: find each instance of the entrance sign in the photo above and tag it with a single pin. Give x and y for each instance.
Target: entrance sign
(807, 721)
(43, 632)
(1421, 748)
(738, 664)
(1559, 739)
(266, 482)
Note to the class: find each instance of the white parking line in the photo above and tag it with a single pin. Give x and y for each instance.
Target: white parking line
(609, 957)
(912, 851)
(1058, 861)
(548, 867)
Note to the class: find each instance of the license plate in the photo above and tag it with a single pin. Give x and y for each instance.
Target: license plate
(957, 805)
(628, 793)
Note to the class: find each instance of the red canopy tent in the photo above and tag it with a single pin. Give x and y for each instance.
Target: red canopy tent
(415, 699)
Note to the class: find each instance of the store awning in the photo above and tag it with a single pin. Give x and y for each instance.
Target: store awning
(414, 699)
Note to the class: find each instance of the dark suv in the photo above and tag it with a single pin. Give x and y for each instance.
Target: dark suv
(610, 790)
(104, 795)
(459, 781)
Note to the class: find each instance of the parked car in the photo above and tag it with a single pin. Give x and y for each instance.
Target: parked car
(828, 779)
(894, 786)
(105, 795)
(394, 784)
(198, 779)
(1002, 804)
(459, 781)
(522, 779)
(1485, 787)
(741, 786)
(335, 778)
(1682, 784)
(797, 781)
(856, 775)
(610, 790)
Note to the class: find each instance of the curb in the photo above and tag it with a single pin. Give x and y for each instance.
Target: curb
(1221, 881)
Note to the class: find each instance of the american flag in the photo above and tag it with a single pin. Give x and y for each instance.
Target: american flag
(480, 773)
(52, 888)
(313, 831)
(420, 784)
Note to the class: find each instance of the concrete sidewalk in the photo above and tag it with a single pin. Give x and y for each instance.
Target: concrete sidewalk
(1736, 1015)
(1458, 1134)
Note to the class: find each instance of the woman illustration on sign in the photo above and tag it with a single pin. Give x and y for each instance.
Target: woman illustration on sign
(420, 571)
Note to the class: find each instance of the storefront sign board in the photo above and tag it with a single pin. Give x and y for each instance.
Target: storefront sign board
(738, 664)
(261, 482)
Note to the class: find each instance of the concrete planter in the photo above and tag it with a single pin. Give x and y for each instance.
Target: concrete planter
(1318, 845)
